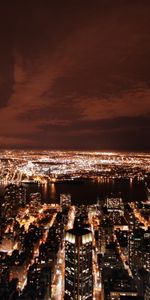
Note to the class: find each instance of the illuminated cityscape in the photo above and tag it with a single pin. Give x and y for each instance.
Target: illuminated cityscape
(75, 150)
(62, 250)
(54, 166)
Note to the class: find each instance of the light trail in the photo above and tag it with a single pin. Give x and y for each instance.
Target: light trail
(59, 272)
(138, 216)
(123, 257)
(97, 288)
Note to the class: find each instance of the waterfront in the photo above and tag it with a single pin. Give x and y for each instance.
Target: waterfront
(44, 195)
(88, 192)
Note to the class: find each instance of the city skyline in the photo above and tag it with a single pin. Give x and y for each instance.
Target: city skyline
(74, 225)
(75, 75)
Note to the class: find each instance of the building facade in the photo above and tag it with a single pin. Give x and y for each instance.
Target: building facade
(78, 265)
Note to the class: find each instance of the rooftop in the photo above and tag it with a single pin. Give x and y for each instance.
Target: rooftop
(79, 231)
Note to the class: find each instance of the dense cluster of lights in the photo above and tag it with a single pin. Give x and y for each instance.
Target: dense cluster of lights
(52, 166)
(102, 219)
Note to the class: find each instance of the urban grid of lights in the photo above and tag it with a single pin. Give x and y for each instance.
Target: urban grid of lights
(52, 166)
(112, 230)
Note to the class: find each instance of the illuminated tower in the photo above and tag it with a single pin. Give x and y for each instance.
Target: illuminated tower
(78, 265)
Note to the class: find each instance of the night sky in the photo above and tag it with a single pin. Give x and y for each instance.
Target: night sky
(75, 74)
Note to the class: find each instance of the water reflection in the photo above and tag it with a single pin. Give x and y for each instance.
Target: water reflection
(52, 191)
(89, 191)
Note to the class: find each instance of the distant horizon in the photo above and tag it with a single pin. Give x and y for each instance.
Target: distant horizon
(77, 150)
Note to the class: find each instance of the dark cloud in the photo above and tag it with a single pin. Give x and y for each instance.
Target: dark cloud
(75, 73)
(6, 56)
(126, 133)
(120, 133)
(108, 56)
(96, 126)
(58, 112)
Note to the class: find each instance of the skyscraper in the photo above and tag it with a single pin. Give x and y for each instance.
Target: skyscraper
(78, 264)
(14, 197)
(65, 200)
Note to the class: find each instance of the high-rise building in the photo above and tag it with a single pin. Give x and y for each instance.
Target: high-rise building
(115, 208)
(133, 225)
(38, 283)
(65, 200)
(131, 245)
(147, 288)
(148, 194)
(78, 264)
(14, 197)
(35, 202)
